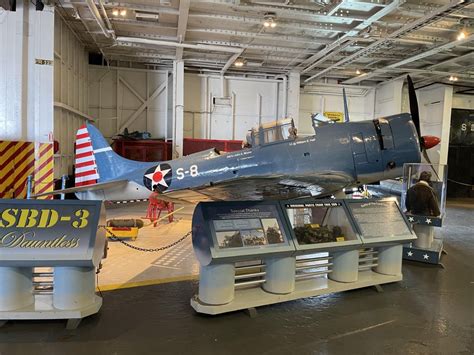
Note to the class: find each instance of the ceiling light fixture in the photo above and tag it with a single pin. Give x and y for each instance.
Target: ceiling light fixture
(461, 35)
(123, 12)
(115, 12)
(239, 62)
(269, 20)
(453, 78)
(358, 72)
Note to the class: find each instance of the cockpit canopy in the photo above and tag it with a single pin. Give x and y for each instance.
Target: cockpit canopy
(274, 131)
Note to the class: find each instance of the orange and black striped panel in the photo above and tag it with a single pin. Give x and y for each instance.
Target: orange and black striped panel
(17, 162)
(44, 172)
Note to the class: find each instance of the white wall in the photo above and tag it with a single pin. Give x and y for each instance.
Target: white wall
(388, 98)
(136, 99)
(251, 101)
(70, 93)
(435, 104)
(26, 82)
(321, 99)
(463, 101)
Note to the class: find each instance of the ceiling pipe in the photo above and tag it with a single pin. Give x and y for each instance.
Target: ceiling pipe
(107, 21)
(204, 47)
(96, 14)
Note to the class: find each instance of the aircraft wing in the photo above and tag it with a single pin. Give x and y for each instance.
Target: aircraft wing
(99, 186)
(273, 187)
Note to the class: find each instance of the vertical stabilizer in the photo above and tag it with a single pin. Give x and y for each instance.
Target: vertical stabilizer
(97, 162)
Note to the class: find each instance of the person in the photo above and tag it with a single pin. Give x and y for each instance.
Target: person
(421, 199)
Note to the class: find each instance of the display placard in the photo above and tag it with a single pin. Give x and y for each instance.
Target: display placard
(320, 224)
(239, 230)
(44, 232)
(245, 227)
(380, 220)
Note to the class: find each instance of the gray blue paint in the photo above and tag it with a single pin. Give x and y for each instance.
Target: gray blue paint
(337, 156)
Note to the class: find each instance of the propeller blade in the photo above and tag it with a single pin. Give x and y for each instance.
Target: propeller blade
(415, 113)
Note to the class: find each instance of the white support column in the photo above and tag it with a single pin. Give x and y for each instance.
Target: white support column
(26, 67)
(294, 96)
(388, 98)
(435, 103)
(178, 108)
(446, 124)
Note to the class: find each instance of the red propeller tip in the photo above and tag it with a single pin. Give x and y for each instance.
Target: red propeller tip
(430, 141)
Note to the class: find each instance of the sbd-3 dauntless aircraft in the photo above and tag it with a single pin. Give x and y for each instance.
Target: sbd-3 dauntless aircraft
(277, 165)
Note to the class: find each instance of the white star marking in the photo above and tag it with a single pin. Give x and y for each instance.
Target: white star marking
(428, 221)
(410, 253)
(158, 176)
(426, 256)
(411, 219)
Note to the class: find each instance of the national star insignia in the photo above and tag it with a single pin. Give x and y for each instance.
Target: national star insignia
(410, 253)
(426, 256)
(158, 176)
(411, 219)
(428, 221)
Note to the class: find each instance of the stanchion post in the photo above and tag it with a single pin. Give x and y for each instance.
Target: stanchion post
(63, 185)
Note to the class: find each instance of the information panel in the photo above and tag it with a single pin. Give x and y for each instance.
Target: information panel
(237, 231)
(322, 224)
(247, 227)
(380, 220)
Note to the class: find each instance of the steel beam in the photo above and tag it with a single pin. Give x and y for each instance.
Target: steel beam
(182, 25)
(353, 32)
(404, 30)
(411, 59)
(203, 47)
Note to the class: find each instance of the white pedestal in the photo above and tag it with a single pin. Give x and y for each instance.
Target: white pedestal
(216, 284)
(345, 266)
(42, 308)
(256, 296)
(74, 287)
(390, 260)
(424, 235)
(16, 288)
(280, 275)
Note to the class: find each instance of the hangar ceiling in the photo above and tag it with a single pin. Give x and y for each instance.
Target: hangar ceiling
(353, 41)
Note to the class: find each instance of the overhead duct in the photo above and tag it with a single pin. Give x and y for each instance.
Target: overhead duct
(203, 47)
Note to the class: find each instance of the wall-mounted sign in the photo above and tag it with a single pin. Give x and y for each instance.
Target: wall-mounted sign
(334, 116)
(43, 61)
(42, 231)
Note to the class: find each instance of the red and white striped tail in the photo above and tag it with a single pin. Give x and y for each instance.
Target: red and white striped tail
(86, 168)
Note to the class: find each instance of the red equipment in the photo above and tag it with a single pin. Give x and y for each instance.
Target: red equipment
(156, 206)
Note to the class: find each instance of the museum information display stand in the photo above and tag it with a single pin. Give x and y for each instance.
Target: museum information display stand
(259, 253)
(57, 234)
(426, 248)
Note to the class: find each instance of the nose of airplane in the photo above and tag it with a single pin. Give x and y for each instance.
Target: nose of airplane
(430, 141)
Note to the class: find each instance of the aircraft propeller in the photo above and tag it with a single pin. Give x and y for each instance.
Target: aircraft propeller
(426, 142)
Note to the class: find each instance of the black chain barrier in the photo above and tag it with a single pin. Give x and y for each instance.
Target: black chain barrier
(117, 239)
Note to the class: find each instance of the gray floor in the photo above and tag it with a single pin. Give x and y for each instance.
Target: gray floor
(430, 312)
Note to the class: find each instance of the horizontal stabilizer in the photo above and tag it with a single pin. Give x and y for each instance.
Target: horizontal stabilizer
(99, 186)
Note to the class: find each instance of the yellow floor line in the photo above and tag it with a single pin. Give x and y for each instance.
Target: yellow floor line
(146, 283)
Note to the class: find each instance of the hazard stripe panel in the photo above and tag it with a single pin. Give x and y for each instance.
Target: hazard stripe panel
(18, 160)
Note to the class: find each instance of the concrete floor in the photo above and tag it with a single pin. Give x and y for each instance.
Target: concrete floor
(430, 312)
(125, 267)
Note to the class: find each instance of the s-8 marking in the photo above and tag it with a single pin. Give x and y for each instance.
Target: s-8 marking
(181, 173)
